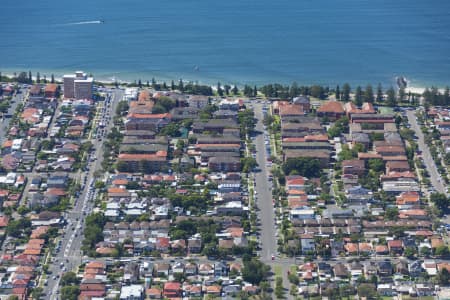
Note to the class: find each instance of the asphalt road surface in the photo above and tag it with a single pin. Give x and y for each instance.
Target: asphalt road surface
(435, 177)
(266, 212)
(69, 255)
(14, 102)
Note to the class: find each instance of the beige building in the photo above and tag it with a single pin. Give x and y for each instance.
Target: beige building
(78, 86)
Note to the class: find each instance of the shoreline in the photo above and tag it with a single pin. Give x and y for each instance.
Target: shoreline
(414, 89)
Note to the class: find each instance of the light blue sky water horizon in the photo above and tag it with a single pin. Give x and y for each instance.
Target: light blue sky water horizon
(237, 42)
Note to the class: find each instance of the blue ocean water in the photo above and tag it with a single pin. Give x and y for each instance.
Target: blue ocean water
(232, 41)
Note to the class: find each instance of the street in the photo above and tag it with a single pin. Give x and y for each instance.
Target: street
(4, 122)
(266, 212)
(427, 158)
(70, 256)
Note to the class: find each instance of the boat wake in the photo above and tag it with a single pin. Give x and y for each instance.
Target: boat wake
(84, 23)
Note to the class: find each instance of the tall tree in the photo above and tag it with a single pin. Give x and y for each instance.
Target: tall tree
(181, 85)
(379, 93)
(293, 90)
(255, 91)
(358, 96)
(227, 89)
(52, 79)
(235, 90)
(447, 96)
(172, 85)
(153, 83)
(368, 94)
(30, 77)
(401, 94)
(219, 89)
(338, 93)
(346, 92)
(45, 78)
(38, 78)
(391, 97)
(140, 83)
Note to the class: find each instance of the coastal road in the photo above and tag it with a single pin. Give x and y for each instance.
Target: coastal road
(266, 212)
(264, 193)
(69, 257)
(426, 155)
(14, 102)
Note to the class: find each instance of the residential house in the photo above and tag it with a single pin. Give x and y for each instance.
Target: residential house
(132, 292)
(333, 110)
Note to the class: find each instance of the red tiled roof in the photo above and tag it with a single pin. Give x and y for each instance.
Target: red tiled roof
(173, 286)
(331, 107)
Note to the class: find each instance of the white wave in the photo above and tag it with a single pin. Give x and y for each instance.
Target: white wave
(84, 23)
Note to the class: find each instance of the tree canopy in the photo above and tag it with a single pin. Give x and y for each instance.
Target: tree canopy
(440, 200)
(302, 166)
(254, 271)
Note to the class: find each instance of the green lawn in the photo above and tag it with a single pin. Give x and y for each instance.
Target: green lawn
(385, 110)
(278, 270)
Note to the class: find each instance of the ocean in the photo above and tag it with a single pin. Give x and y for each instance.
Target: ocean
(235, 41)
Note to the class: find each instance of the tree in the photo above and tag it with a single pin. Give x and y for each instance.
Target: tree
(248, 164)
(181, 85)
(401, 94)
(410, 252)
(279, 291)
(443, 276)
(70, 292)
(140, 83)
(442, 251)
(317, 91)
(22, 78)
(338, 93)
(376, 164)
(346, 92)
(440, 200)
(379, 93)
(339, 127)
(235, 90)
(219, 89)
(391, 213)
(391, 97)
(254, 271)
(358, 96)
(303, 166)
(158, 109)
(425, 251)
(368, 94)
(37, 293)
(166, 102)
(122, 107)
(248, 91)
(69, 278)
(38, 77)
(367, 290)
(30, 77)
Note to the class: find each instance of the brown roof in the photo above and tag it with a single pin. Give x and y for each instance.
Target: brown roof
(160, 155)
(331, 107)
(395, 244)
(51, 88)
(291, 109)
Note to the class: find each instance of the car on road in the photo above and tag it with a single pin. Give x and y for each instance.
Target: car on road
(273, 257)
